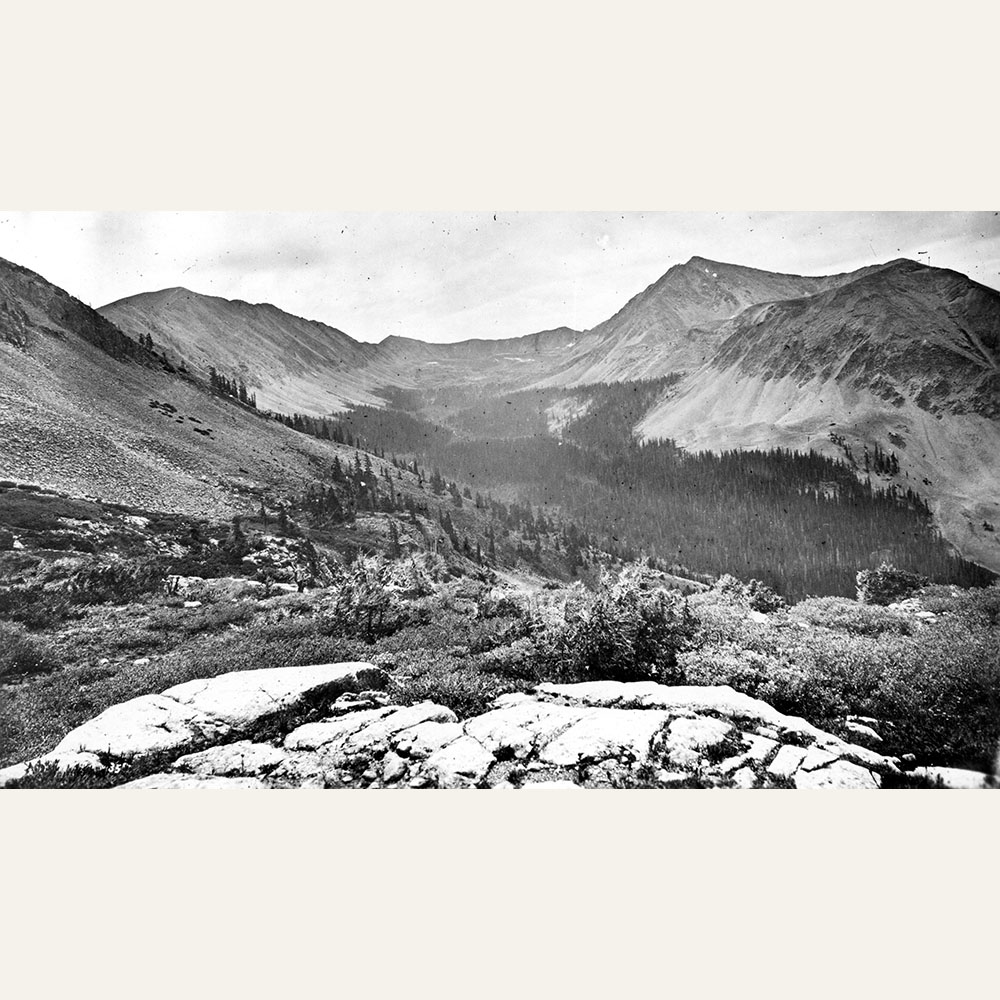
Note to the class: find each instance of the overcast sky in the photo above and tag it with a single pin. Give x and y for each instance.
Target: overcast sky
(446, 276)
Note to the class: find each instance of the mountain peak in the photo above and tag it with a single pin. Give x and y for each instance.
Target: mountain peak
(902, 264)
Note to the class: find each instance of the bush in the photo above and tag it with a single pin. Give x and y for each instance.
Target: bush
(887, 584)
(365, 604)
(516, 661)
(448, 680)
(621, 633)
(500, 604)
(760, 597)
(22, 653)
(208, 618)
(116, 580)
(755, 595)
(844, 615)
(35, 607)
(937, 691)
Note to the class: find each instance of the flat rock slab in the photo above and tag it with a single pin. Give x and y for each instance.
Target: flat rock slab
(461, 763)
(143, 726)
(719, 700)
(689, 739)
(375, 737)
(315, 735)
(242, 759)
(839, 774)
(222, 733)
(171, 782)
(200, 713)
(605, 733)
(954, 777)
(423, 739)
(242, 698)
(787, 761)
(521, 725)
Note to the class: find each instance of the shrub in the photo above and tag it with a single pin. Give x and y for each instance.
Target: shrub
(411, 578)
(116, 580)
(516, 661)
(208, 618)
(844, 615)
(887, 584)
(621, 633)
(22, 653)
(454, 682)
(35, 607)
(6, 541)
(760, 597)
(755, 595)
(364, 604)
(500, 604)
(937, 690)
(728, 586)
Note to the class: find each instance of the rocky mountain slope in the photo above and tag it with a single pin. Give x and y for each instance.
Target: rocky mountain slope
(905, 357)
(673, 324)
(86, 410)
(294, 365)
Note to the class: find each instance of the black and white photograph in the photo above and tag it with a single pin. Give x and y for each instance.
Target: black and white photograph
(520, 501)
(596, 404)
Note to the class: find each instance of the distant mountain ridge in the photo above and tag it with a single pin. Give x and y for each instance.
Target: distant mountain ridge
(307, 366)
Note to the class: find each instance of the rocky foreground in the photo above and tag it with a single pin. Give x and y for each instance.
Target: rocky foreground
(333, 726)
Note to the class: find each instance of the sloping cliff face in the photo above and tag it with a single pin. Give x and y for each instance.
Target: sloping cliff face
(294, 365)
(85, 409)
(904, 331)
(905, 357)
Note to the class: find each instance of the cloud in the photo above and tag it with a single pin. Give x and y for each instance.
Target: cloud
(445, 276)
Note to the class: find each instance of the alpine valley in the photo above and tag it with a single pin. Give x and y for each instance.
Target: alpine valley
(898, 361)
(473, 538)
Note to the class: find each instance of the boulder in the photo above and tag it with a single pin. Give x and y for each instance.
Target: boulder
(604, 733)
(239, 759)
(243, 698)
(839, 774)
(201, 713)
(151, 724)
(954, 777)
(787, 760)
(460, 764)
(170, 782)
(689, 739)
(236, 731)
(422, 740)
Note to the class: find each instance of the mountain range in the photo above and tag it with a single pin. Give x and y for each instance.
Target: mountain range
(898, 356)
